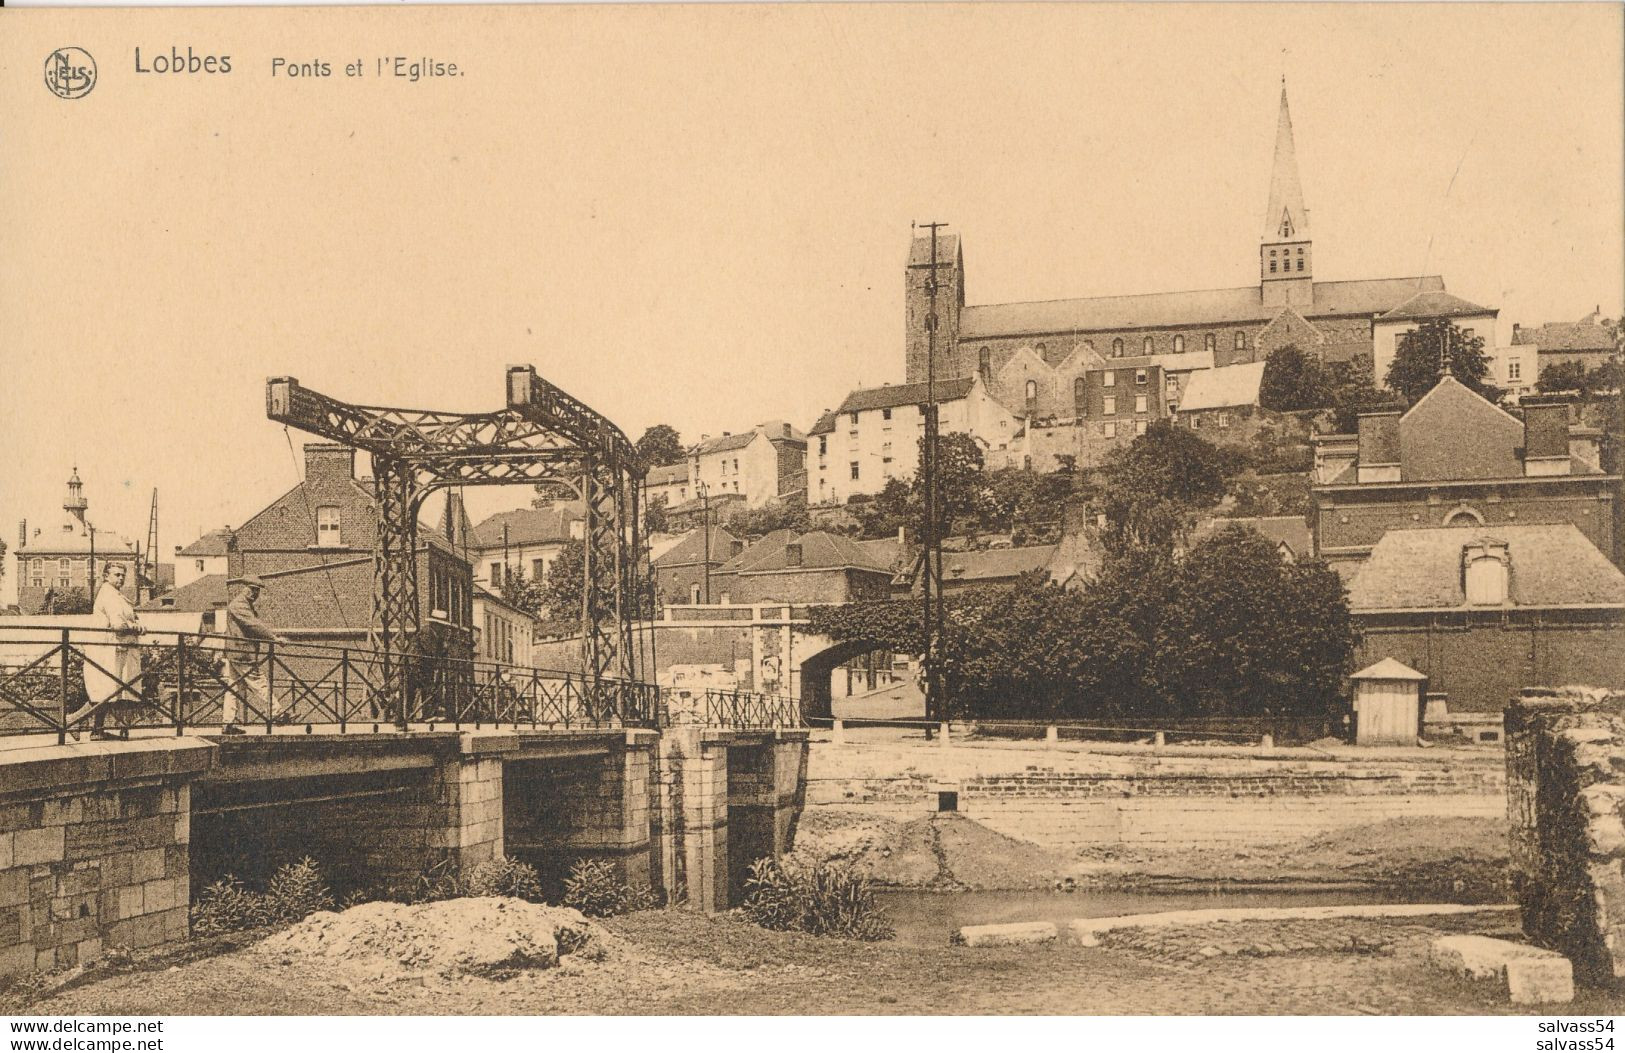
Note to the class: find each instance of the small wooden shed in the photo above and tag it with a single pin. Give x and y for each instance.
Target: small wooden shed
(1387, 704)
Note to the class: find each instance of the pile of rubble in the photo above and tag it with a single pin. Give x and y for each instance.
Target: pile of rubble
(493, 937)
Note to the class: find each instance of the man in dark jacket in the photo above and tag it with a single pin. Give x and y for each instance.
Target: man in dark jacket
(245, 664)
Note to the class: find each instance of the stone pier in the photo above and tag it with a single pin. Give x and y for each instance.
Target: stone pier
(93, 849)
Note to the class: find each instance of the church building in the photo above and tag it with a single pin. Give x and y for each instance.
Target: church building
(1042, 351)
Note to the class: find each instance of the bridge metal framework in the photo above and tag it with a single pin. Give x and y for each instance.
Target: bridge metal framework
(542, 435)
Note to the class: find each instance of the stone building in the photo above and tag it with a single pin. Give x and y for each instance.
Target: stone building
(874, 436)
(69, 555)
(810, 568)
(1591, 341)
(1336, 320)
(1455, 459)
(523, 543)
(684, 572)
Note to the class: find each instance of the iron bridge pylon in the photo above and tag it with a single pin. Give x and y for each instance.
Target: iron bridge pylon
(543, 435)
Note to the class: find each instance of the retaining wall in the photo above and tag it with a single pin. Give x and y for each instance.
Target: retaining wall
(1566, 805)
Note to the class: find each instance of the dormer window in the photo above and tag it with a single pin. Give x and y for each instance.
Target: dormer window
(1486, 569)
(328, 527)
(1286, 224)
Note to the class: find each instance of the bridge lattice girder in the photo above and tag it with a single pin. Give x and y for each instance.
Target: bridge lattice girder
(543, 434)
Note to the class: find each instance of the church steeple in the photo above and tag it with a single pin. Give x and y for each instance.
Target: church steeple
(1285, 263)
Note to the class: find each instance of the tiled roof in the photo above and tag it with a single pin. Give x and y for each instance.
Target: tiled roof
(204, 594)
(1435, 303)
(1569, 336)
(1196, 307)
(1223, 387)
(1291, 531)
(667, 474)
(995, 564)
(1552, 565)
(527, 526)
(825, 424)
(886, 551)
(52, 541)
(903, 395)
(723, 443)
(691, 549)
(1454, 433)
(820, 550)
(211, 544)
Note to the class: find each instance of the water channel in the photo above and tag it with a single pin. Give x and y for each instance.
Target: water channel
(930, 918)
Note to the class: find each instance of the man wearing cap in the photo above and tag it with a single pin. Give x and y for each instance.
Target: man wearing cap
(244, 671)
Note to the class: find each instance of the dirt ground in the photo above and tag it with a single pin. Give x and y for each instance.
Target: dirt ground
(675, 962)
(1458, 860)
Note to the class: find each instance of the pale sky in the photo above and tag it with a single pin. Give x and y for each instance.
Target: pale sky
(700, 215)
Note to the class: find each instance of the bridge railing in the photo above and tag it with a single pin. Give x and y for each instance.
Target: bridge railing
(178, 680)
(166, 679)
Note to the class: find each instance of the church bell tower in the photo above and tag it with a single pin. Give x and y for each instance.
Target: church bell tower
(1286, 259)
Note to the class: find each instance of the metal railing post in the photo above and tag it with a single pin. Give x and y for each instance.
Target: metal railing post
(344, 689)
(62, 716)
(270, 684)
(180, 682)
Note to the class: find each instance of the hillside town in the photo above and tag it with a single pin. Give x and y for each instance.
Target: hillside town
(1465, 490)
(1249, 649)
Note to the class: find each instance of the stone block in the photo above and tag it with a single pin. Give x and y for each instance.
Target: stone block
(1605, 835)
(13, 887)
(146, 865)
(158, 895)
(17, 959)
(130, 902)
(43, 845)
(1483, 957)
(1008, 935)
(1540, 981)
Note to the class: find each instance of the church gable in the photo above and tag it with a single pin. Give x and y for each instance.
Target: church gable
(1025, 379)
(1287, 327)
(1083, 358)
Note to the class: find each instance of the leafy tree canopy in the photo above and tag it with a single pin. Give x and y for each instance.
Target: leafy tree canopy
(1294, 380)
(1416, 365)
(1155, 485)
(659, 444)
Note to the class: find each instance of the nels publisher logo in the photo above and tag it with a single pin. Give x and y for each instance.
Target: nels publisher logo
(70, 73)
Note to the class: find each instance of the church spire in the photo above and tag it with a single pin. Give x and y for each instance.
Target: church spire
(1285, 219)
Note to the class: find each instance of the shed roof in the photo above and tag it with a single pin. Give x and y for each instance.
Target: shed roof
(1223, 387)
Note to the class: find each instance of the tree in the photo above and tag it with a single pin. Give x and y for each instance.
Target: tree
(1294, 381)
(560, 608)
(1155, 485)
(527, 594)
(960, 481)
(787, 514)
(897, 506)
(1353, 391)
(659, 444)
(1564, 376)
(69, 601)
(1416, 365)
(655, 520)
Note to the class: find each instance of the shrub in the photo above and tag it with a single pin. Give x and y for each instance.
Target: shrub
(226, 906)
(594, 889)
(828, 900)
(296, 891)
(504, 877)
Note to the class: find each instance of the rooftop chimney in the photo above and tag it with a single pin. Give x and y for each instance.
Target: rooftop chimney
(792, 554)
(1546, 435)
(1378, 455)
(735, 547)
(326, 460)
(22, 533)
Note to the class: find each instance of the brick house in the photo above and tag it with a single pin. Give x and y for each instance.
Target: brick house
(313, 547)
(1487, 610)
(989, 567)
(680, 571)
(1455, 459)
(69, 555)
(813, 568)
(1221, 402)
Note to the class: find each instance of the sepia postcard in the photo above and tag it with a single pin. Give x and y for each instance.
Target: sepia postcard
(850, 510)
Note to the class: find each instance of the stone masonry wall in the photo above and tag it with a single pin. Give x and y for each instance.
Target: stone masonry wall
(93, 850)
(1566, 805)
(1070, 798)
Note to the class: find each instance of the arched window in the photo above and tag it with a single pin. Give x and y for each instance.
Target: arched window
(1486, 575)
(1117, 348)
(1150, 345)
(1040, 348)
(1241, 340)
(984, 359)
(1179, 345)
(1210, 342)
(1079, 391)
(1032, 391)
(1461, 515)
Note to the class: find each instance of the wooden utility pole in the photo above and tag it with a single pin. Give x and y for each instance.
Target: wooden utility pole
(931, 534)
